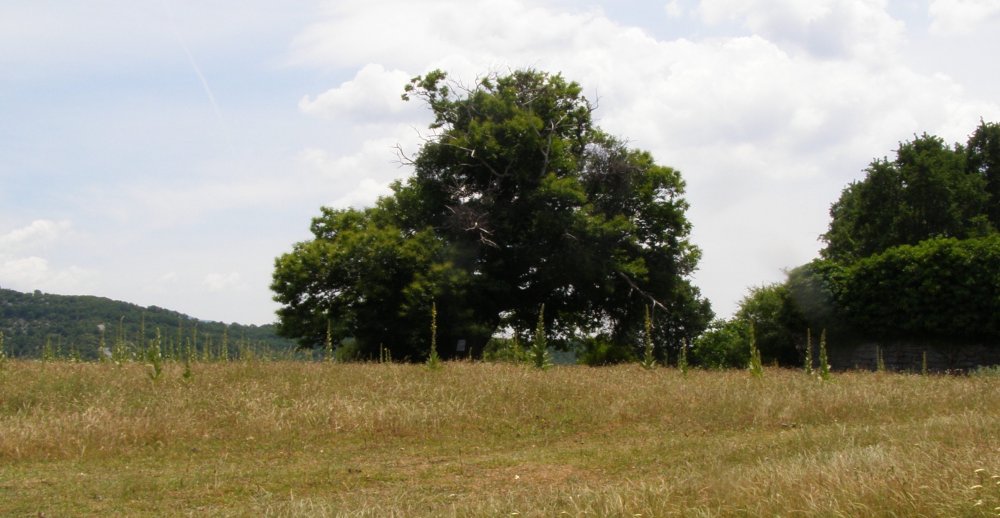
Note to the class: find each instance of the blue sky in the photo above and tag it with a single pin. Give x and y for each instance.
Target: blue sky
(165, 152)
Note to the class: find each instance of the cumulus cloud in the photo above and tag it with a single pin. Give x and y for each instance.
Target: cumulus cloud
(956, 16)
(860, 29)
(421, 36)
(22, 269)
(37, 234)
(359, 179)
(372, 95)
(35, 273)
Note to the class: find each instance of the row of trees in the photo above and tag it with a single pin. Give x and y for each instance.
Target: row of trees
(517, 199)
(912, 253)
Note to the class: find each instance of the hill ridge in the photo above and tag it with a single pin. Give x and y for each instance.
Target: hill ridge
(73, 323)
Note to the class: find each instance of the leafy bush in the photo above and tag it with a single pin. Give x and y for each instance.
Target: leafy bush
(722, 346)
(942, 288)
(500, 349)
(778, 326)
(601, 350)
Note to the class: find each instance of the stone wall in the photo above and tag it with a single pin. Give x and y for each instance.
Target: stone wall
(908, 356)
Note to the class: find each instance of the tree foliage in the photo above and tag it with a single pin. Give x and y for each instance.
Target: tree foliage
(71, 322)
(776, 324)
(940, 289)
(929, 190)
(912, 249)
(517, 200)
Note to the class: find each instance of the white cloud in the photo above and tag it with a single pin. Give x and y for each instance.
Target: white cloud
(34, 273)
(859, 29)
(218, 282)
(357, 179)
(419, 36)
(957, 16)
(21, 269)
(362, 194)
(674, 9)
(372, 95)
(37, 234)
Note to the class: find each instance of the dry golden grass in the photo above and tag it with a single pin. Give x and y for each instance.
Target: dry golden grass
(471, 439)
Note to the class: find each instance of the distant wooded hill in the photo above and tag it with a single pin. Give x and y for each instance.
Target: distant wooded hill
(72, 326)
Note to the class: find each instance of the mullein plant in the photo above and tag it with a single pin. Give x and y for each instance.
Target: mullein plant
(47, 353)
(187, 354)
(539, 352)
(879, 359)
(433, 360)
(809, 353)
(756, 365)
(682, 358)
(154, 355)
(648, 360)
(824, 362)
(3, 354)
(224, 350)
(118, 353)
(517, 352)
(103, 353)
(328, 342)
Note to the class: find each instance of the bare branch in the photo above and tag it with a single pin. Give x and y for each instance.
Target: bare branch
(641, 291)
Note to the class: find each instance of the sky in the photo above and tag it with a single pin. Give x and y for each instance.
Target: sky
(166, 152)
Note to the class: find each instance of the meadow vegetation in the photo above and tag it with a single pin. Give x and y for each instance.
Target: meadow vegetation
(287, 438)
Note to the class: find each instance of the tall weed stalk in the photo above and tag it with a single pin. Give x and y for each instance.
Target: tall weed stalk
(756, 365)
(539, 352)
(433, 360)
(824, 361)
(682, 358)
(154, 355)
(648, 359)
(809, 353)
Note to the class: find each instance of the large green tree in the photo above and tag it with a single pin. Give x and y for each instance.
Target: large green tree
(517, 199)
(912, 248)
(983, 159)
(929, 190)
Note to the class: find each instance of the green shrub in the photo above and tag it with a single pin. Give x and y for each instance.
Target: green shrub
(500, 349)
(722, 346)
(941, 288)
(776, 323)
(602, 350)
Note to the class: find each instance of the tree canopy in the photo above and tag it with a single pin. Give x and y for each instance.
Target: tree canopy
(517, 199)
(912, 253)
(929, 190)
(912, 249)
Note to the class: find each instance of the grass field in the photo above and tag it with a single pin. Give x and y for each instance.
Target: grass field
(474, 439)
